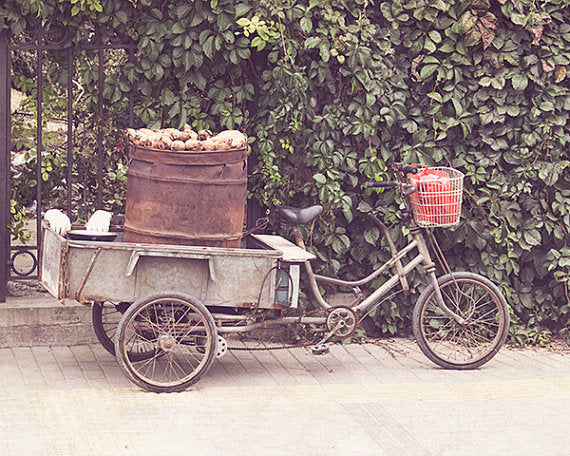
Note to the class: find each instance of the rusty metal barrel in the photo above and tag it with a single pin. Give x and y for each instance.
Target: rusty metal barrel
(186, 197)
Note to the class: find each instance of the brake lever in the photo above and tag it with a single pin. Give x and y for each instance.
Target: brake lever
(408, 190)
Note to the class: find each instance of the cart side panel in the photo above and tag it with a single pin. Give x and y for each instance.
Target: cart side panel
(181, 275)
(106, 273)
(53, 264)
(226, 281)
(238, 282)
(99, 274)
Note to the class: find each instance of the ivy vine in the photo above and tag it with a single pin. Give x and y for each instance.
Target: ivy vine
(331, 91)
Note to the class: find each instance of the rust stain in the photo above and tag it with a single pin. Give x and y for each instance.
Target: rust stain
(186, 198)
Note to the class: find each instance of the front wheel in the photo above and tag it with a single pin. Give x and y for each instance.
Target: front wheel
(179, 331)
(472, 342)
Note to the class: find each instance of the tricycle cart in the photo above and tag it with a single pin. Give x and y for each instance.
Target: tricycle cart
(163, 310)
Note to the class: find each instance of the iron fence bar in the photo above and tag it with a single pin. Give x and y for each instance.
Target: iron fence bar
(100, 57)
(131, 96)
(5, 158)
(69, 177)
(108, 46)
(36, 47)
(39, 146)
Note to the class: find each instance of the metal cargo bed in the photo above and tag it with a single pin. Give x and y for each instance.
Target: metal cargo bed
(90, 271)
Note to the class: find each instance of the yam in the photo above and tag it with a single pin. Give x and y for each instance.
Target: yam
(188, 129)
(193, 144)
(131, 133)
(178, 145)
(165, 143)
(154, 141)
(186, 135)
(237, 138)
(209, 145)
(222, 144)
(137, 138)
(203, 135)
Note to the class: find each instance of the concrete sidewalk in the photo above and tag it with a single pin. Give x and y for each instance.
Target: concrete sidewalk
(385, 399)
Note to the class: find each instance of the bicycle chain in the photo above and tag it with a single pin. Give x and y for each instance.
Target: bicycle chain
(305, 345)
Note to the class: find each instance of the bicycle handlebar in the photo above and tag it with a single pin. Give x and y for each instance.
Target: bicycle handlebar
(398, 167)
(382, 184)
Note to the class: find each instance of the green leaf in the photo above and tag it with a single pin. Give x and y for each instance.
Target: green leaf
(208, 47)
(519, 82)
(546, 106)
(122, 16)
(457, 106)
(428, 70)
(429, 45)
(363, 206)
(306, 24)
(518, 19)
(158, 71)
(435, 36)
(498, 82)
(177, 28)
(371, 235)
(168, 97)
(324, 51)
(320, 178)
(242, 9)
(485, 81)
(435, 96)
(532, 237)
(312, 42)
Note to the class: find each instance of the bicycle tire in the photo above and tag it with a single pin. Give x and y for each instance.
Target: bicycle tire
(450, 344)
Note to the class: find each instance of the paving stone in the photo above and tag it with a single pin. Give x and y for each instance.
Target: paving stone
(359, 400)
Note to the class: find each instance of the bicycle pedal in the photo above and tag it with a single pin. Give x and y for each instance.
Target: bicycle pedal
(321, 349)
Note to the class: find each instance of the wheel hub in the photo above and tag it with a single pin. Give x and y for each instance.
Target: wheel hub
(166, 343)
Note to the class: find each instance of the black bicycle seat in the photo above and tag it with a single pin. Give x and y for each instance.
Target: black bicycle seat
(298, 216)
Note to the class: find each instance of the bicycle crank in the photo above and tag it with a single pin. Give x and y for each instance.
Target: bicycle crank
(341, 321)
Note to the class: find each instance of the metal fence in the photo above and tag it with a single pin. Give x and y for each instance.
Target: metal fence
(40, 43)
(97, 41)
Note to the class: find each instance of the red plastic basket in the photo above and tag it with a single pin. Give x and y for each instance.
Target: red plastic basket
(438, 196)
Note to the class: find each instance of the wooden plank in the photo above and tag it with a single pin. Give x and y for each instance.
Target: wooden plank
(291, 253)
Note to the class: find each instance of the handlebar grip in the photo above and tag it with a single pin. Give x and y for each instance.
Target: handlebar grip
(409, 169)
(382, 184)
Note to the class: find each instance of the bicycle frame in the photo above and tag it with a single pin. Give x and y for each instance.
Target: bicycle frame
(422, 258)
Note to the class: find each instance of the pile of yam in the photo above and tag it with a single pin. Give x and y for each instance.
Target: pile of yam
(187, 139)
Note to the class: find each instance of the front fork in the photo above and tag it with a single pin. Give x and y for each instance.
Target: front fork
(429, 267)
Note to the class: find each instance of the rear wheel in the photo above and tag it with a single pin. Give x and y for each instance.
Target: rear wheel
(181, 333)
(105, 316)
(475, 340)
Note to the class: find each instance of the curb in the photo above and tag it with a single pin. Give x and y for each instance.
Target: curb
(42, 320)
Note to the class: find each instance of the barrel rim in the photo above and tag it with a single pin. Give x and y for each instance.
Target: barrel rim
(200, 152)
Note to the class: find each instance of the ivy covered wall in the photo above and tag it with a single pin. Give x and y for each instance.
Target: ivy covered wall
(331, 91)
